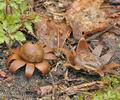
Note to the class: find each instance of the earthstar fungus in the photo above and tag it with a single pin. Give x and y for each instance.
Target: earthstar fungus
(31, 56)
(92, 62)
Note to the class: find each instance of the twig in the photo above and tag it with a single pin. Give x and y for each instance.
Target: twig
(45, 90)
(53, 84)
(100, 33)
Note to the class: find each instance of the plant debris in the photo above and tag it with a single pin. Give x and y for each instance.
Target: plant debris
(2, 74)
(42, 91)
(52, 34)
(85, 19)
(67, 49)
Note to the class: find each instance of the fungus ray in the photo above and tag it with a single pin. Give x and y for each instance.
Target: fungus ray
(16, 64)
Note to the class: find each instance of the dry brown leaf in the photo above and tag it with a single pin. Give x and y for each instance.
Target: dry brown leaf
(6, 77)
(110, 66)
(52, 34)
(85, 16)
(2, 74)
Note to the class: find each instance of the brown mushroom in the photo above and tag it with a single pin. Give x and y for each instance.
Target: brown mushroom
(31, 56)
(91, 62)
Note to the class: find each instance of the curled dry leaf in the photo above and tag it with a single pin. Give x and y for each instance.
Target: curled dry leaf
(109, 67)
(6, 77)
(52, 34)
(2, 74)
(85, 16)
(31, 56)
(92, 62)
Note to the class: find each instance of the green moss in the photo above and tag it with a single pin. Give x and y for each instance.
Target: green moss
(107, 93)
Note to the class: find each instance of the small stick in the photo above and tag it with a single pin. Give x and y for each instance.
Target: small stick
(100, 33)
(45, 90)
(53, 84)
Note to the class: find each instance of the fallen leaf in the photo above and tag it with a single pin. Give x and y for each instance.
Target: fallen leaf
(85, 16)
(2, 74)
(8, 79)
(110, 66)
(52, 34)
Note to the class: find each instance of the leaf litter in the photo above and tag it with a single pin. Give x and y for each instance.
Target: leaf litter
(56, 27)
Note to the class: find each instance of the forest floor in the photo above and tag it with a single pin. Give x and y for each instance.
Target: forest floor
(17, 87)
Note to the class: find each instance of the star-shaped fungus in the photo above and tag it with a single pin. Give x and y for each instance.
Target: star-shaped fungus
(92, 62)
(31, 56)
